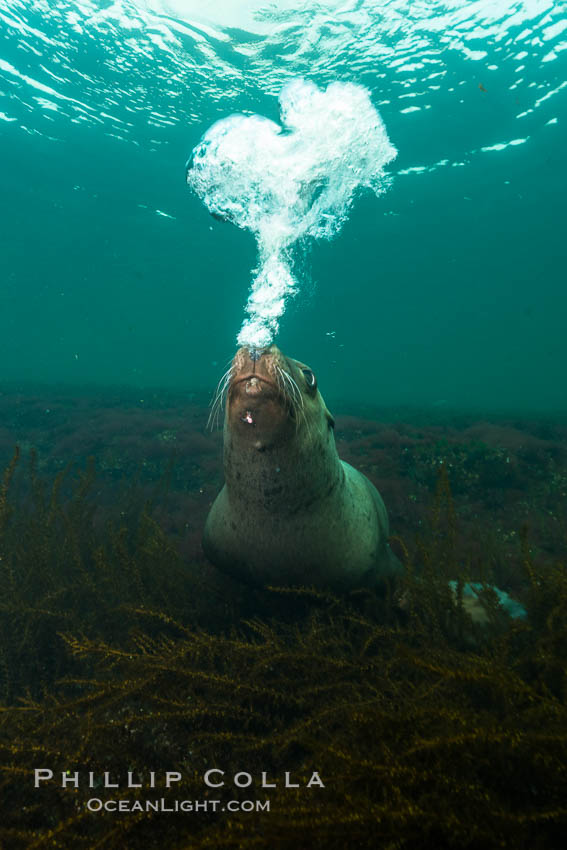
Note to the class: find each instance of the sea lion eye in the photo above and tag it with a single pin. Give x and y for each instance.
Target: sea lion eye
(310, 379)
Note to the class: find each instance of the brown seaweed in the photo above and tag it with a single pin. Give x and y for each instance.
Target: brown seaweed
(117, 656)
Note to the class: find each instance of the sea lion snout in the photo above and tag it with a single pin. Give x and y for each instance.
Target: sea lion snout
(257, 407)
(257, 362)
(255, 374)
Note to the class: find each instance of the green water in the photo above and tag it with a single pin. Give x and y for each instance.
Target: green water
(446, 291)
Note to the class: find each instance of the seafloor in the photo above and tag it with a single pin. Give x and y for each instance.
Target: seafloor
(122, 649)
(505, 472)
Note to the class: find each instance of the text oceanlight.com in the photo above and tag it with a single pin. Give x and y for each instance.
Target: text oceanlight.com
(95, 804)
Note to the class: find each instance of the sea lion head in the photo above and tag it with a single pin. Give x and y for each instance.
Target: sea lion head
(279, 444)
(271, 397)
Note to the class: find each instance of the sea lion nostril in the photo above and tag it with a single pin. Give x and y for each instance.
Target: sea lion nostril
(255, 354)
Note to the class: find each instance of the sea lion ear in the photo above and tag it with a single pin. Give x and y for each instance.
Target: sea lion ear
(328, 416)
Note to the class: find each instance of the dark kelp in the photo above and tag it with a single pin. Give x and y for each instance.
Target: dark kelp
(116, 656)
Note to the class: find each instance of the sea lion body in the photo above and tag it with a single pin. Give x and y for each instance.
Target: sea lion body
(291, 512)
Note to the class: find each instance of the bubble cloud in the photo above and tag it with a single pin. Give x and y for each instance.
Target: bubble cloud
(290, 181)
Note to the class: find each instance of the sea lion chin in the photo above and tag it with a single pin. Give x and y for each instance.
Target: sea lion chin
(291, 512)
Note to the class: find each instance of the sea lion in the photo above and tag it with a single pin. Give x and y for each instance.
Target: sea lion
(291, 512)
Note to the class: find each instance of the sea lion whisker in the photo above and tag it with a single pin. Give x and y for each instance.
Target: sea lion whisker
(299, 396)
(294, 382)
(301, 412)
(219, 404)
(212, 421)
(226, 379)
(218, 399)
(302, 420)
(290, 392)
(280, 381)
(293, 394)
(294, 391)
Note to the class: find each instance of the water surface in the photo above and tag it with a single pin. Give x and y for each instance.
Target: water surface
(446, 290)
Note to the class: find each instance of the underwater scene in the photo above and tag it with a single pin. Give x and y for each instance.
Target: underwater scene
(283, 424)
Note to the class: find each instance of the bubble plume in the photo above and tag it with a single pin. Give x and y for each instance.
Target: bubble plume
(290, 181)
